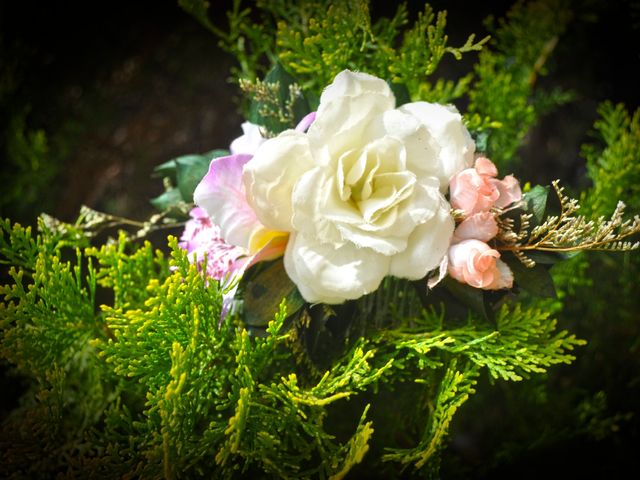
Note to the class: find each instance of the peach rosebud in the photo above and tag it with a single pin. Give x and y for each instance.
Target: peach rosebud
(475, 263)
(509, 189)
(484, 166)
(477, 189)
(472, 192)
(479, 226)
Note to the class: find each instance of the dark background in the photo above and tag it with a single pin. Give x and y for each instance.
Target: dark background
(121, 86)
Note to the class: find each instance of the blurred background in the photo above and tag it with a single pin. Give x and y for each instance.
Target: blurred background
(93, 95)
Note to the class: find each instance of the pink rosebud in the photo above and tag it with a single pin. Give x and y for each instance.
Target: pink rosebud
(475, 263)
(509, 189)
(486, 167)
(479, 226)
(471, 192)
(476, 189)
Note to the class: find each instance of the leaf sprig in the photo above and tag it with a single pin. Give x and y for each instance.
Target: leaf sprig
(569, 232)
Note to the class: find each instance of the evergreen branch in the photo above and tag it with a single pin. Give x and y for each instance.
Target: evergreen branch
(454, 390)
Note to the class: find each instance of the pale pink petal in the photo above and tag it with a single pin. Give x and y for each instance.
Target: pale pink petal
(442, 272)
(471, 192)
(463, 190)
(509, 189)
(480, 226)
(484, 166)
(221, 193)
(475, 263)
(505, 279)
(249, 141)
(306, 122)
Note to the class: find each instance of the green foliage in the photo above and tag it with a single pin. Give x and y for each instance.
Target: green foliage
(150, 385)
(27, 169)
(593, 404)
(614, 169)
(129, 373)
(277, 102)
(502, 99)
(181, 177)
(315, 40)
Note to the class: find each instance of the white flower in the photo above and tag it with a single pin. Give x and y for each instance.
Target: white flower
(361, 191)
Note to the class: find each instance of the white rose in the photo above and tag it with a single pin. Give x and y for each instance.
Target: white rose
(361, 191)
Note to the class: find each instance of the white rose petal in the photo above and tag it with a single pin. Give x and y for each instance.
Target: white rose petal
(446, 128)
(328, 274)
(426, 246)
(351, 84)
(269, 183)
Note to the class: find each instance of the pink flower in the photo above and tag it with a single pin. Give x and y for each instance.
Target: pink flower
(306, 122)
(202, 237)
(476, 189)
(479, 226)
(226, 228)
(509, 189)
(475, 263)
(222, 195)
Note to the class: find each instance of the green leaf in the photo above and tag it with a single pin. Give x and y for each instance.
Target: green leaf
(167, 200)
(169, 168)
(191, 168)
(264, 292)
(549, 258)
(537, 280)
(401, 92)
(189, 173)
(536, 200)
(166, 169)
(481, 139)
(473, 298)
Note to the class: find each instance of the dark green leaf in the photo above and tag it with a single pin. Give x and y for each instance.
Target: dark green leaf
(167, 200)
(537, 280)
(169, 168)
(549, 258)
(481, 139)
(536, 199)
(401, 93)
(189, 172)
(166, 169)
(191, 168)
(264, 292)
(473, 298)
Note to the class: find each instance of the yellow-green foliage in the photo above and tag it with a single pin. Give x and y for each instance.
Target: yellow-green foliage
(151, 385)
(315, 40)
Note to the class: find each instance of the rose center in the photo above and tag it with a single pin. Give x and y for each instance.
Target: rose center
(374, 181)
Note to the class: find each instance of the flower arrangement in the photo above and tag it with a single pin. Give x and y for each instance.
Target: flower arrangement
(347, 274)
(355, 193)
